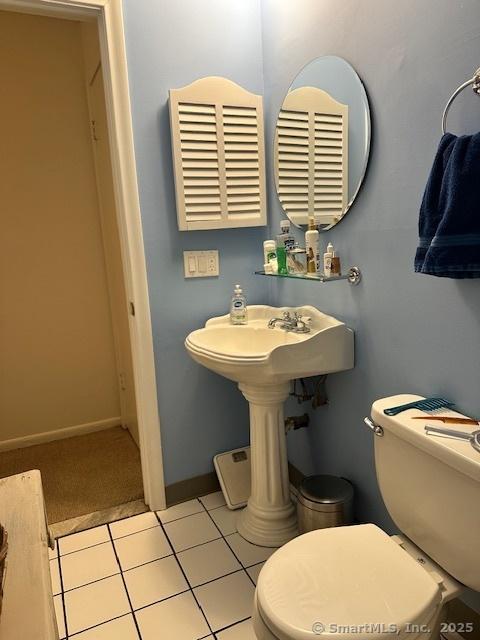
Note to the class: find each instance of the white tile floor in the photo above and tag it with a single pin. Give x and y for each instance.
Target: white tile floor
(181, 574)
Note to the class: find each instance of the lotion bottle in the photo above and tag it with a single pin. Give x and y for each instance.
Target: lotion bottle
(327, 261)
(336, 269)
(311, 247)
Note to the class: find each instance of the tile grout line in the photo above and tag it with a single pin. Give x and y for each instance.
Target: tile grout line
(181, 517)
(185, 576)
(87, 584)
(99, 624)
(127, 535)
(151, 604)
(226, 542)
(229, 626)
(124, 584)
(241, 564)
(90, 546)
(225, 575)
(195, 546)
(246, 567)
(238, 560)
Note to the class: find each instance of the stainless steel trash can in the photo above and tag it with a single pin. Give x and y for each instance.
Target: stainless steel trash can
(324, 501)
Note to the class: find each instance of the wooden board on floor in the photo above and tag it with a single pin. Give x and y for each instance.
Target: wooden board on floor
(28, 610)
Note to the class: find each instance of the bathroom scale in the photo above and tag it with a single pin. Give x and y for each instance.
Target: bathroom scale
(233, 471)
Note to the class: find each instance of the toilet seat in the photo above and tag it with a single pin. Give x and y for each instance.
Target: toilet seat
(345, 578)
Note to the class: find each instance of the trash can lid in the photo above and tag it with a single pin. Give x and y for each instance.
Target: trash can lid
(326, 489)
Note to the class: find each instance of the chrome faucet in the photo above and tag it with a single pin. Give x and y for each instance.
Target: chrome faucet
(290, 323)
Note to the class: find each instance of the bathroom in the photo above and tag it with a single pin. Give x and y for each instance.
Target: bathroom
(414, 333)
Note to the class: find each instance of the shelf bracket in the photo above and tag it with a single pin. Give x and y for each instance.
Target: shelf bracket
(354, 275)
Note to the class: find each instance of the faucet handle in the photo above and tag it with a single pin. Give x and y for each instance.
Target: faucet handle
(286, 315)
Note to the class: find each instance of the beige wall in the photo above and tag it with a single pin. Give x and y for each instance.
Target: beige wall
(97, 110)
(57, 360)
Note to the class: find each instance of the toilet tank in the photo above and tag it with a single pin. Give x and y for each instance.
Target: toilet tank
(431, 487)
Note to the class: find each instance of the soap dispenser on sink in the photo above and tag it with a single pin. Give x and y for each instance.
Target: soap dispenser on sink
(238, 307)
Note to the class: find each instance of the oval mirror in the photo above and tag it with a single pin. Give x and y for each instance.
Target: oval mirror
(322, 143)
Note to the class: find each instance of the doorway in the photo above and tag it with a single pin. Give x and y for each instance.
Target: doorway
(76, 338)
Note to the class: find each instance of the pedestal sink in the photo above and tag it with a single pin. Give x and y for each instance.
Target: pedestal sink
(263, 361)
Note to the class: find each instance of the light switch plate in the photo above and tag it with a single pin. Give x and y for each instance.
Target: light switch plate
(201, 264)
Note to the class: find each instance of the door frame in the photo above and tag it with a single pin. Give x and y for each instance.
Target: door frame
(109, 18)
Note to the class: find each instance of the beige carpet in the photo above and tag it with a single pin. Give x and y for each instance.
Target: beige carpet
(83, 474)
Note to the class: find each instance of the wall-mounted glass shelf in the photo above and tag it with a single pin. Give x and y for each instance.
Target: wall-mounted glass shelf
(353, 276)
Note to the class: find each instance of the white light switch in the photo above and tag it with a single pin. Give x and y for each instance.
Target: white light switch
(201, 264)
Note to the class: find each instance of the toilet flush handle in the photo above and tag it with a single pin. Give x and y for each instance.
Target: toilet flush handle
(377, 429)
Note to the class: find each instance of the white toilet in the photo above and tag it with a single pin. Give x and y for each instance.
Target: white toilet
(358, 582)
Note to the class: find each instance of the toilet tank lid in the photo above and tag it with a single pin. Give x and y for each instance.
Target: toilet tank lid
(458, 454)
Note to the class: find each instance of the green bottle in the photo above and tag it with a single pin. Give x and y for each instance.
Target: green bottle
(284, 243)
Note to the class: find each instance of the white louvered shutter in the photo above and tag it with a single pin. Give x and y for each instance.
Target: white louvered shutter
(311, 156)
(219, 155)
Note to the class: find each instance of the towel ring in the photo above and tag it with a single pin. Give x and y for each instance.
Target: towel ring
(475, 82)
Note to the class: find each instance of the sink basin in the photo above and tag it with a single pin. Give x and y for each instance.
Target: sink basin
(263, 361)
(253, 353)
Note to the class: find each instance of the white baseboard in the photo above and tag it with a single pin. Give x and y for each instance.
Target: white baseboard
(59, 434)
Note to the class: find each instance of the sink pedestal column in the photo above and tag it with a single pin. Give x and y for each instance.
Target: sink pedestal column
(269, 519)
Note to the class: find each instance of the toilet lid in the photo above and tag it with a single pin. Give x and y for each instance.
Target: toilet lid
(342, 583)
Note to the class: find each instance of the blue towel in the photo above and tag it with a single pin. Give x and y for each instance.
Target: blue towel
(449, 224)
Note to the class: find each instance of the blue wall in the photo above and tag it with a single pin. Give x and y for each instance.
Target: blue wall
(169, 45)
(414, 333)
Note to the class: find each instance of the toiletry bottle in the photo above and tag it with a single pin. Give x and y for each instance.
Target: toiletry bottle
(336, 269)
(238, 307)
(327, 261)
(311, 247)
(269, 251)
(284, 242)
